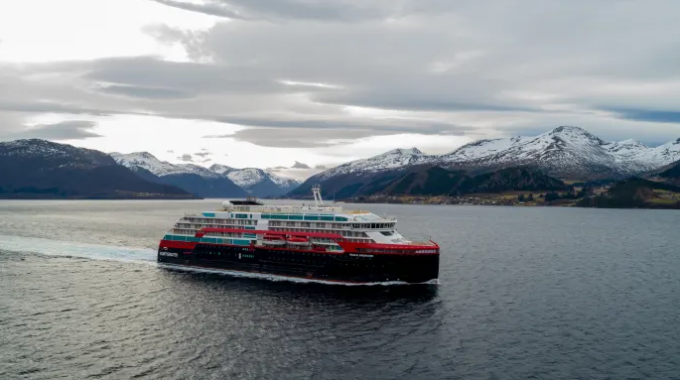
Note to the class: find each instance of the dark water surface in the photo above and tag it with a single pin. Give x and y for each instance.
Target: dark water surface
(525, 293)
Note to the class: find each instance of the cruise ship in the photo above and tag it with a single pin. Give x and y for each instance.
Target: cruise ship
(315, 242)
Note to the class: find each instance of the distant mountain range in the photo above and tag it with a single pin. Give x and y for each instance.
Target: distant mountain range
(566, 153)
(217, 181)
(37, 168)
(42, 169)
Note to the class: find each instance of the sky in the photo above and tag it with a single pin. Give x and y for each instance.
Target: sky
(272, 83)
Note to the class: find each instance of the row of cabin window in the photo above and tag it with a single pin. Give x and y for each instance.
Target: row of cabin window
(336, 226)
(373, 226)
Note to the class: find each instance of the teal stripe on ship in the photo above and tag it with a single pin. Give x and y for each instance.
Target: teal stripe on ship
(209, 214)
(212, 240)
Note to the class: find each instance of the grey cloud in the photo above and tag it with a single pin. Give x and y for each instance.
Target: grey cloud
(454, 67)
(212, 8)
(65, 130)
(657, 116)
(341, 10)
(50, 107)
(320, 167)
(300, 165)
(202, 154)
(186, 158)
(298, 137)
(146, 92)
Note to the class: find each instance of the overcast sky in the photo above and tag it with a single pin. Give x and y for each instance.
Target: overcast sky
(266, 83)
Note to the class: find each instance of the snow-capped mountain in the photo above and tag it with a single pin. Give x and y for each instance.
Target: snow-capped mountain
(146, 161)
(160, 168)
(222, 169)
(567, 152)
(192, 178)
(252, 181)
(284, 182)
(257, 181)
(393, 159)
(247, 177)
(564, 152)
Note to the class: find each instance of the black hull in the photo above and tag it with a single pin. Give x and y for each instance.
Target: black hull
(346, 267)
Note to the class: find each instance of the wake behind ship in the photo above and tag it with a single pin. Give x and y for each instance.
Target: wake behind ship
(318, 242)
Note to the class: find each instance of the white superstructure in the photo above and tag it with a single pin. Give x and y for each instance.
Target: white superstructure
(353, 225)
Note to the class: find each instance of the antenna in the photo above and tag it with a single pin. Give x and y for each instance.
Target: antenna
(316, 190)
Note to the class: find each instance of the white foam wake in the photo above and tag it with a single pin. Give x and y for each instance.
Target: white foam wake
(69, 248)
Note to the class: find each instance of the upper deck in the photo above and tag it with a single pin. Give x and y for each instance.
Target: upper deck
(326, 212)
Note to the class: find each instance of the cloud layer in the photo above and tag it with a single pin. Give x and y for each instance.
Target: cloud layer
(316, 74)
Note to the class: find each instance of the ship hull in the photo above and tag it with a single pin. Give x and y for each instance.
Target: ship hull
(288, 262)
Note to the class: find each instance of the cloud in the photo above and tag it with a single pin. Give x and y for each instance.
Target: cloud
(212, 8)
(340, 10)
(656, 116)
(186, 158)
(202, 154)
(300, 165)
(146, 92)
(65, 130)
(320, 167)
(313, 74)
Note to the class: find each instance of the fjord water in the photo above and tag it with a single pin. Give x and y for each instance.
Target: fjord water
(544, 293)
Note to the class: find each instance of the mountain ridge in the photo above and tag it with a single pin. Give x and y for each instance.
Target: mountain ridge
(217, 181)
(565, 152)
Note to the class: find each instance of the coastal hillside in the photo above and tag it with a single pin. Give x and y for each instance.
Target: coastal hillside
(671, 174)
(42, 169)
(636, 193)
(440, 181)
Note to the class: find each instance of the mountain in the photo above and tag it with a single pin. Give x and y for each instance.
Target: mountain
(42, 169)
(259, 182)
(286, 184)
(160, 168)
(193, 178)
(564, 152)
(439, 181)
(345, 180)
(217, 181)
(221, 169)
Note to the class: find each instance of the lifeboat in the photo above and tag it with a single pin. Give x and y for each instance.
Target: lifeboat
(298, 240)
(273, 240)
